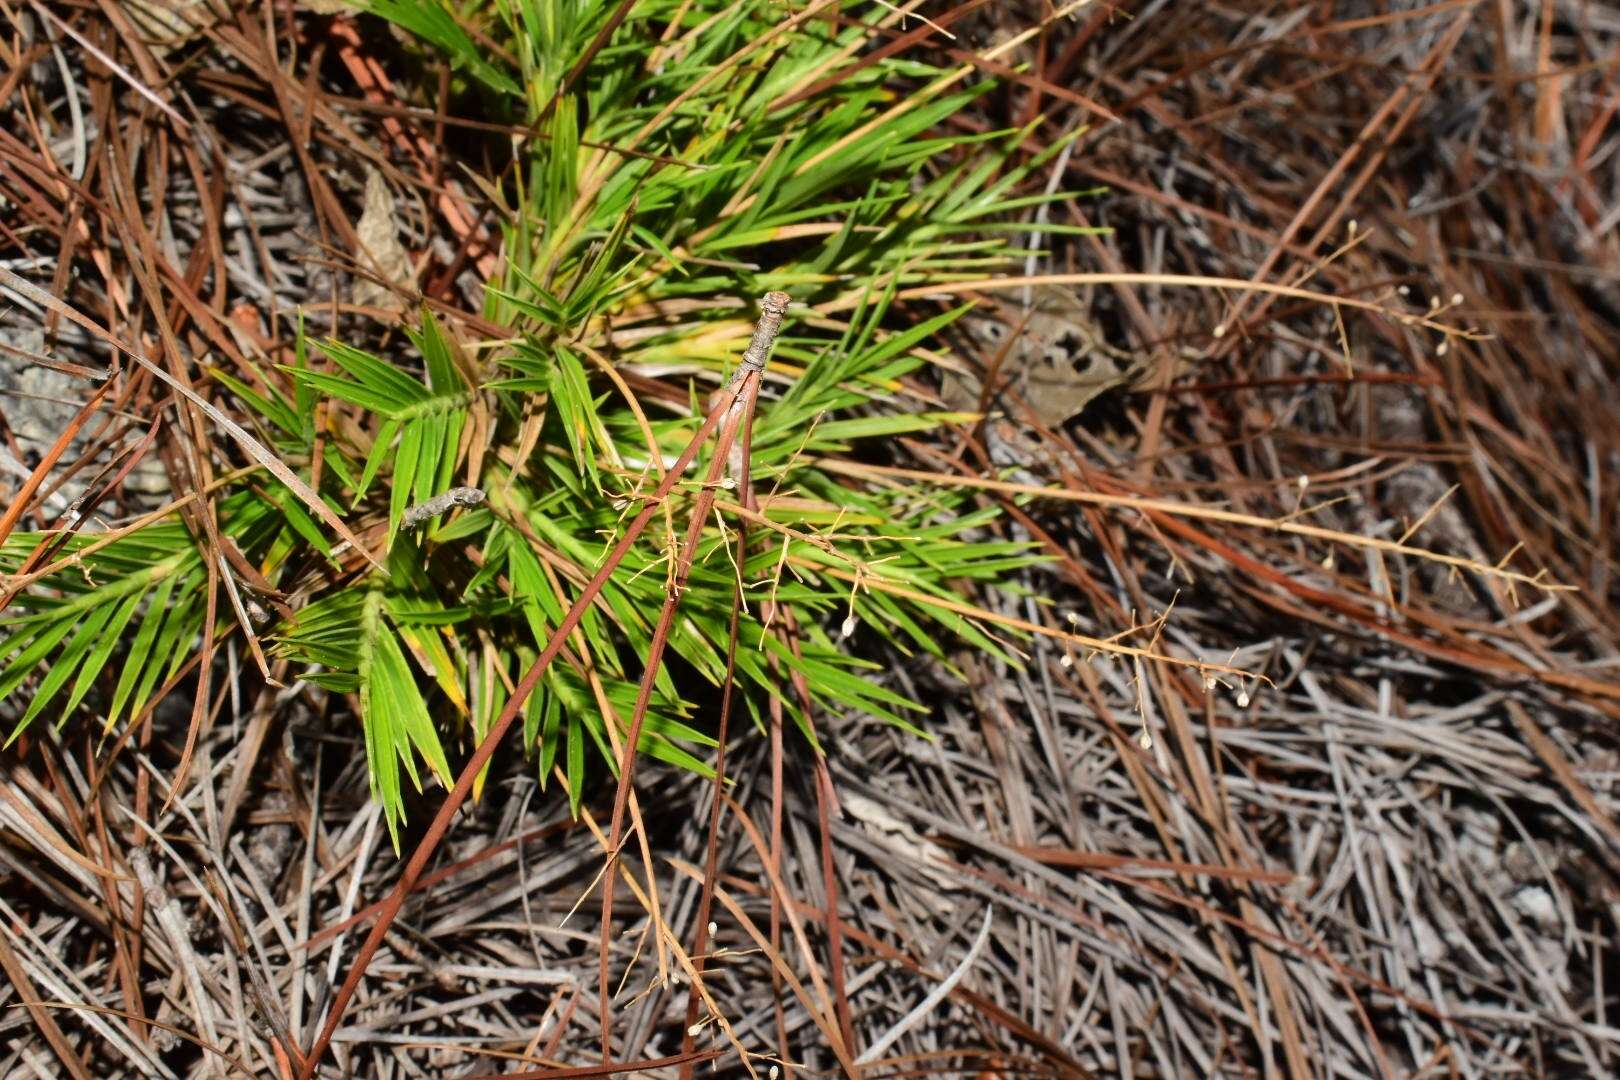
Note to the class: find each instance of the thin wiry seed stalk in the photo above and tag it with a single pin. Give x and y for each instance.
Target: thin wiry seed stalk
(486, 748)
(738, 414)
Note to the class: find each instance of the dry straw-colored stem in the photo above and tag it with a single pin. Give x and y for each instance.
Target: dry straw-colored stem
(1205, 513)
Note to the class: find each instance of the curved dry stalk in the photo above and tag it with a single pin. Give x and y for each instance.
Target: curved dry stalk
(869, 576)
(1185, 281)
(1205, 513)
(938, 994)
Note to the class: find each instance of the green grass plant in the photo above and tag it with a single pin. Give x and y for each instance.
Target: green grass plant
(682, 157)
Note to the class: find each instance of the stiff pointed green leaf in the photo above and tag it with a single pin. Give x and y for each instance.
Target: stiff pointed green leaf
(575, 769)
(378, 376)
(435, 347)
(112, 636)
(354, 393)
(406, 463)
(140, 650)
(381, 449)
(432, 21)
(66, 662)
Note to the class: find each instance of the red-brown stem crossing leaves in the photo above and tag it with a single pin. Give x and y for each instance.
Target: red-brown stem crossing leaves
(738, 413)
(727, 408)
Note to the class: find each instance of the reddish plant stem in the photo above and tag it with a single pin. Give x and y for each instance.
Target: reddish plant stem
(748, 390)
(486, 748)
(739, 413)
(736, 409)
(711, 856)
(773, 859)
(826, 804)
